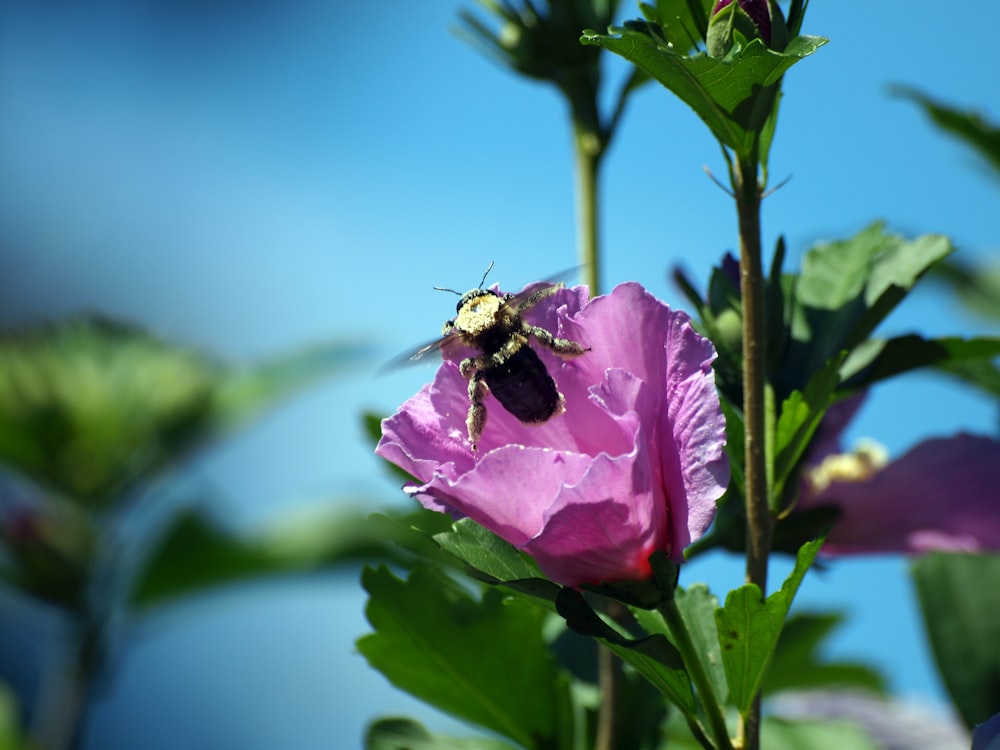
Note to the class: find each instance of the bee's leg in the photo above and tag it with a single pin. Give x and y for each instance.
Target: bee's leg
(563, 347)
(472, 369)
(537, 297)
(476, 420)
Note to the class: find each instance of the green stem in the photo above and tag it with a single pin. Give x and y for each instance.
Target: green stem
(609, 676)
(589, 150)
(695, 668)
(759, 522)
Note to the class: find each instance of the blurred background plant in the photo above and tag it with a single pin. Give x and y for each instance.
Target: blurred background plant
(94, 414)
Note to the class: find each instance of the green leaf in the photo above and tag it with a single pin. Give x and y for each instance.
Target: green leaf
(91, 407)
(245, 392)
(11, 736)
(982, 374)
(494, 561)
(198, 552)
(801, 414)
(684, 23)
(485, 551)
(654, 657)
(406, 734)
(731, 96)
(879, 360)
(781, 734)
(846, 289)
(482, 661)
(799, 665)
(976, 286)
(749, 628)
(697, 606)
(960, 596)
(970, 127)
(641, 711)
(735, 447)
(48, 551)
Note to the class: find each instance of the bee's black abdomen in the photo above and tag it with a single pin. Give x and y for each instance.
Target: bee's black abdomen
(523, 386)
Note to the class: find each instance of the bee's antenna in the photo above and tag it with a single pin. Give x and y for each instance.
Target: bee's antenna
(482, 281)
(486, 274)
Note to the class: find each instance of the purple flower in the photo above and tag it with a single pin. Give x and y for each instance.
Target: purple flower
(944, 494)
(633, 466)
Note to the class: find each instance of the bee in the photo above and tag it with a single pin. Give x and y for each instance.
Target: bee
(506, 365)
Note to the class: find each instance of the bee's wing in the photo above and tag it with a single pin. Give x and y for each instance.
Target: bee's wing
(558, 279)
(413, 357)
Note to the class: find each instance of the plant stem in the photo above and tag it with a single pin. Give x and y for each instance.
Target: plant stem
(758, 543)
(59, 721)
(695, 668)
(609, 676)
(589, 149)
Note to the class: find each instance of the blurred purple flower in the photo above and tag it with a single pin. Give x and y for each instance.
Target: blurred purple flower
(634, 465)
(986, 736)
(944, 494)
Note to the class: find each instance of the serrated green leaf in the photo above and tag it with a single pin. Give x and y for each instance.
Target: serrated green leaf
(901, 264)
(406, 734)
(799, 665)
(749, 628)
(846, 289)
(726, 94)
(482, 661)
(959, 596)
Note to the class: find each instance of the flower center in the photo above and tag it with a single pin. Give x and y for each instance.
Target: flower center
(859, 465)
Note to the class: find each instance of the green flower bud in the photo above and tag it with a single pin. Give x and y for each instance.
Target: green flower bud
(752, 19)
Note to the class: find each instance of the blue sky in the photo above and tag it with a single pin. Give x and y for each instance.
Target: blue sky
(253, 177)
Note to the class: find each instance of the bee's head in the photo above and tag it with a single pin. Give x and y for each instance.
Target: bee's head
(475, 298)
(477, 310)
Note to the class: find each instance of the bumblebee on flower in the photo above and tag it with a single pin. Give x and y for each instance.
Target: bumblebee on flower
(634, 465)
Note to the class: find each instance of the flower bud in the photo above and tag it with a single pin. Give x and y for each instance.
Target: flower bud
(752, 19)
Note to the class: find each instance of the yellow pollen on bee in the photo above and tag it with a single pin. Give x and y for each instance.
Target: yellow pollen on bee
(859, 465)
(479, 313)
